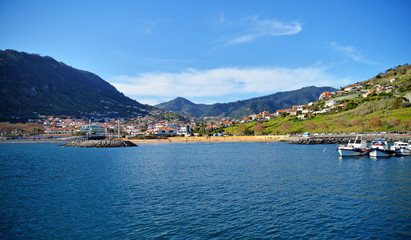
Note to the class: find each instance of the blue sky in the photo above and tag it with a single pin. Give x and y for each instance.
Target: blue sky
(213, 51)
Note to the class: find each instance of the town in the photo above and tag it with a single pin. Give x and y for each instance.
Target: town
(166, 126)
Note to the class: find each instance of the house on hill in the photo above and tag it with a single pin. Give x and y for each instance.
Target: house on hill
(325, 95)
(353, 87)
(330, 103)
(226, 123)
(298, 107)
(279, 112)
(368, 93)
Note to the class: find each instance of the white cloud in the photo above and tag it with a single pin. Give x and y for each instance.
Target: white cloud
(255, 28)
(221, 18)
(169, 60)
(146, 26)
(222, 82)
(352, 53)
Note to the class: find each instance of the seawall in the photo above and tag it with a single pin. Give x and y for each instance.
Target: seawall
(99, 143)
(343, 140)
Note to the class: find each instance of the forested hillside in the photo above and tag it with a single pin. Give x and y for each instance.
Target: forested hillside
(32, 84)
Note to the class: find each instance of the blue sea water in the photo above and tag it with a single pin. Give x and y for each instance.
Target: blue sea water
(201, 191)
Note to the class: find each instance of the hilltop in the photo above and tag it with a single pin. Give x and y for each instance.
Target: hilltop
(184, 106)
(32, 84)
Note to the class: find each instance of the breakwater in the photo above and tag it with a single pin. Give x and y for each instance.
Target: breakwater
(99, 143)
(342, 140)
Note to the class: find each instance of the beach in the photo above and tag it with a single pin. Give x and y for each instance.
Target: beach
(264, 138)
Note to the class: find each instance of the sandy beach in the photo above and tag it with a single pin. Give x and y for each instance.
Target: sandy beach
(274, 138)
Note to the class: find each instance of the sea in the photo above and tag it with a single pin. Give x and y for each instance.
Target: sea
(201, 191)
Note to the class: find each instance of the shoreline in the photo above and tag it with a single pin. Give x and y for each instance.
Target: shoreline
(293, 139)
(264, 138)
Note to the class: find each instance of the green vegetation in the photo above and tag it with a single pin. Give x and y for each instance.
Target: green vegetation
(385, 111)
(169, 116)
(240, 109)
(391, 120)
(31, 83)
(21, 129)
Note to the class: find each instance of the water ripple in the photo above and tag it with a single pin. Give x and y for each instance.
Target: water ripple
(201, 191)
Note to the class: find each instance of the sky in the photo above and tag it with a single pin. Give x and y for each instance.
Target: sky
(214, 51)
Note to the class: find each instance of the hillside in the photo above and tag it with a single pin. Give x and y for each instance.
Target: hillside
(247, 107)
(182, 105)
(379, 104)
(32, 84)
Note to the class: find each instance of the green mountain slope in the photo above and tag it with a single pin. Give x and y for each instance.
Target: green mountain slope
(182, 105)
(244, 108)
(32, 83)
(381, 104)
(269, 103)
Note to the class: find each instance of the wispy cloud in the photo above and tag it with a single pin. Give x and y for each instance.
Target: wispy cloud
(352, 53)
(254, 28)
(170, 60)
(146, 26)
(221, 18)
(222, 82)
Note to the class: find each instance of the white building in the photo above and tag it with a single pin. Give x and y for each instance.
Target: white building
(330, 103)
(184, 130)
(165, 131)
(298, 107)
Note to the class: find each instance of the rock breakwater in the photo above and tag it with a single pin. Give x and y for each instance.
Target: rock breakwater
(99, 143)
(342, 140)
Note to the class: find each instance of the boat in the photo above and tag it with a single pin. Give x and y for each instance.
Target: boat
(379, 148)
(356, 147)
(401, 148)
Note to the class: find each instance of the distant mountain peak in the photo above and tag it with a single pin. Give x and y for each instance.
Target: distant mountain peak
(247, 107)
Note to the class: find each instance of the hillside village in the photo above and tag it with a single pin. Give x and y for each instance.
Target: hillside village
(394, 84)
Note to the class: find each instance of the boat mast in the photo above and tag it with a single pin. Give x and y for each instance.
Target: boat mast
(118, 121)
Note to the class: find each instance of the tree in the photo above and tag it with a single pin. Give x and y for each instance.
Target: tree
(310, 125)
(395, 122)
(324, 125)
(286, 126)
(259, 128)
(359, 122)
(375, 122)
(340, 123)
(351, 105)
(242, 129)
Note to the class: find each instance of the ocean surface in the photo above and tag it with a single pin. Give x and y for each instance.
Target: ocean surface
(201, 191)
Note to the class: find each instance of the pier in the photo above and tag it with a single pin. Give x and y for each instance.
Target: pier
(100, 143)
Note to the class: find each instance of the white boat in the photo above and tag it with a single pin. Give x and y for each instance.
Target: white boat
(379, 148)
(401, 148)
(356, 147)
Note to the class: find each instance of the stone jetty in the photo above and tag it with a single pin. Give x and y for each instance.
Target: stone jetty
(343, 140)
(99, 143)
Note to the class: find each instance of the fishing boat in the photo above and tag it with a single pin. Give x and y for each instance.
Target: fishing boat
(379, 148)
(356, 147)
(401, 148)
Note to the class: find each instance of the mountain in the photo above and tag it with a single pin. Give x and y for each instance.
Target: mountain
(34, 84)
(247, 107)
(182, 105)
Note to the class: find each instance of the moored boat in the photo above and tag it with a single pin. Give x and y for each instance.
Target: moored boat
(356, 147)
(401, 148)
(379, 148)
